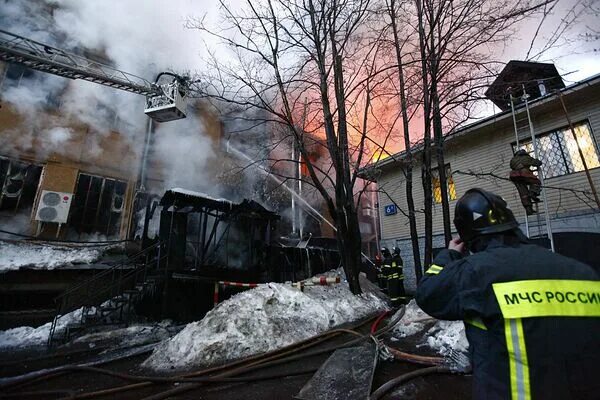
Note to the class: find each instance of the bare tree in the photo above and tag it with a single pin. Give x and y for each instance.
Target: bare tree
(455, 40)
(398, 45)
(311, 65)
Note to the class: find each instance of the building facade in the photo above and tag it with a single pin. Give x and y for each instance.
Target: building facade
(60, 136)
(478, 155)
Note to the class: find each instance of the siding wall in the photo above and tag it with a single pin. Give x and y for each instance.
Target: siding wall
(488, 150)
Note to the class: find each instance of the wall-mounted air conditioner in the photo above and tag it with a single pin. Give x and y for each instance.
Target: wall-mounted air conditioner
(54, 207)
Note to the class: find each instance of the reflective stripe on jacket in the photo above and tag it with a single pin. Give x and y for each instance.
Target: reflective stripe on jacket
(532, 319)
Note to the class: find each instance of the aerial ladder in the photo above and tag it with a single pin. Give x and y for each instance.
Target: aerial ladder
(522, 126)
(164, 102)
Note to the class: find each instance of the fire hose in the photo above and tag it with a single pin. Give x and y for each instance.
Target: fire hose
(386, 387)
(256, 362)
(243, 366)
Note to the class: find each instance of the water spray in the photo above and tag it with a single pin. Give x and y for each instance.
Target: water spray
(300, 199)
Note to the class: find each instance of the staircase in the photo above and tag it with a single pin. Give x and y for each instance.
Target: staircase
(109, 296)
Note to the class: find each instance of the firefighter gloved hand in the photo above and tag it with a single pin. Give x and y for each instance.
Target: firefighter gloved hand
(457, 245)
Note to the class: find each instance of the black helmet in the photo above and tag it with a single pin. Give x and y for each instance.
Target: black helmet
(479, 212)
(395, 250)
(521, 152)
(385, 252)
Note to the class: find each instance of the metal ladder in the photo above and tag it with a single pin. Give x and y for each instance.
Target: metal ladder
(521, 127)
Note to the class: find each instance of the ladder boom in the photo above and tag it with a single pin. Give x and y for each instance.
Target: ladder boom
(42, 57)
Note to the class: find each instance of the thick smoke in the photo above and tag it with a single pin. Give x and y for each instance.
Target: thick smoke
(139, 37)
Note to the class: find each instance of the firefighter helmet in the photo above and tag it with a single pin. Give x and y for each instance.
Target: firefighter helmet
(521, 152)
(479, 212)
(385, 252)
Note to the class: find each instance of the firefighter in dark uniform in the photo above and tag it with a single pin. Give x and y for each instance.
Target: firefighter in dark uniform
(528, 184)
(378, 268)
(396, 279)
(386, 267)
(531, 316)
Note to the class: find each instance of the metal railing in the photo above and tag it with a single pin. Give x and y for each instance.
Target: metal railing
(110, 283)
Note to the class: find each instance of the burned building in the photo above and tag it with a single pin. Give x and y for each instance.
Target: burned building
(64, 172)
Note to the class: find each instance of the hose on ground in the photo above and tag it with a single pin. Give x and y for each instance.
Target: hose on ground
(415, 359)
(245, 367)
(44, 394)
(386, 387)
(185, 388)
(378, 321)
(259, 362)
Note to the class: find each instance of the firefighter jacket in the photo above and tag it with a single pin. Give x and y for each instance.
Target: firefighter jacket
(531, 319)
(395, 281)
(521, 162)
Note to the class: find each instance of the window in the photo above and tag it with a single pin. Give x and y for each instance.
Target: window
(437, 187)
(18, 185)
(14, 74)
(98, 205)
(558, 150)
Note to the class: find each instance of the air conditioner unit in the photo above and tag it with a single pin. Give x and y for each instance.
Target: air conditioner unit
(54, 207)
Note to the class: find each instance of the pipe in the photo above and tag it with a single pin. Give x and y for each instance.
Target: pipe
(386, 387)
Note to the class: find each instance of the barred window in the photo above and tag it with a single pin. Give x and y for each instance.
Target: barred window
(437, 187)
(558, 151)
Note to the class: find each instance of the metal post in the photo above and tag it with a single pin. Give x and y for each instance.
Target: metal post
(144, 166)
(299, 169)
(540, 172)
(585, 167)
(291, 194)
(512, 107)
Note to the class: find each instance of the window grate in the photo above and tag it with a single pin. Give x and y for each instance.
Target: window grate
(558, 150)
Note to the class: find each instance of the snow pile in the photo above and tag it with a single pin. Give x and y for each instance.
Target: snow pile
(26, 336)
(17, 255)
(446, 336)
(263, 319)
(441, 336)
(412, 322)
(134, 335)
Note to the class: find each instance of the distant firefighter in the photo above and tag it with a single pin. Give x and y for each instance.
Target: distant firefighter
(395, 281)
(528, 185)
(385, 270)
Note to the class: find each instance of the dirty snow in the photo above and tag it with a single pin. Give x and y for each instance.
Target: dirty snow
(134, 335)
(200, 194)
(441, 336)
(26, 336)
(14, 256)
(259, 320)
